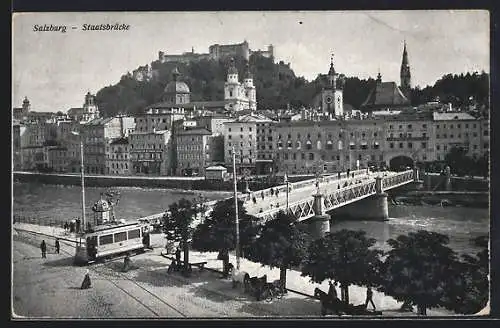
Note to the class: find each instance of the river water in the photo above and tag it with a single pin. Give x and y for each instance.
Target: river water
(63, 203)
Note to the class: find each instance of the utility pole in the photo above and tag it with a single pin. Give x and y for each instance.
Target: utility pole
(83, 185)
(236, 213)
(82, 168)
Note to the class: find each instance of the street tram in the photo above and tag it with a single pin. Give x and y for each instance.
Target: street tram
(108, 237)
(109, 240)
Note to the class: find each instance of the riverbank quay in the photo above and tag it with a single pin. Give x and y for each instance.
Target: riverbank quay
(480, 199)
(49, 288)
(164, 182)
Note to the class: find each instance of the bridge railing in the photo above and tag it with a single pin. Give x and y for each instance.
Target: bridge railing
(303, 208)
(397, 179)
(347, 194)
(300, 184)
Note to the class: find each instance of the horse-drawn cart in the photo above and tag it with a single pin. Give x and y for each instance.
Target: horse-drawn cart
(332, 304)
(258, 287)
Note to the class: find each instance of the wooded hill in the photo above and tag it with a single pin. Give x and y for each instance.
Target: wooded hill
(277, 86)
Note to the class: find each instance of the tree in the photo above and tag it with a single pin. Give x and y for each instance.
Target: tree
(458, 160)
(469, 293)
(281, 244)
(218, 231)
(419, 269)
(345, 256)
(178, 222)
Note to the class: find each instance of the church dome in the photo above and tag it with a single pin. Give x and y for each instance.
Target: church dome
(101, 205)
(177, 87)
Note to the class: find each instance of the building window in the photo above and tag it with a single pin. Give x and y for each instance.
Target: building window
(375, 134)
(437, 126)
(410, 145)
(466, 125)
(424, 126)
(303, 156)
(311, 156)
(294, 156)
(424, 145)
(409, 126)
(400, 145)
(475, 147)
(391, 145)
(250, 129)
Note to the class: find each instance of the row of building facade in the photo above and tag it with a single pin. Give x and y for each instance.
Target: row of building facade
(188, 145)
(180, 137)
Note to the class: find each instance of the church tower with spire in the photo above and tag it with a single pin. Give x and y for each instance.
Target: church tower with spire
(332, 102)
(405, 74)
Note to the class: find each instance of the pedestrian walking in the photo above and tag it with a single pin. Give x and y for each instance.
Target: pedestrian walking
(77, 228)
(43, 247)
(272, 192)
(86, 283)
(254, 200)
(57, 246)
(178, 256)
(262, 195)
(338, 175)
(332, 291)
(369, 298)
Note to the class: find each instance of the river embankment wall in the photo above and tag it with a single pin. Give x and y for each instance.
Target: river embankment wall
(185, 183)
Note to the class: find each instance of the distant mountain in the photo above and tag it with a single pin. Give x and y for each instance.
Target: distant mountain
(276, 84)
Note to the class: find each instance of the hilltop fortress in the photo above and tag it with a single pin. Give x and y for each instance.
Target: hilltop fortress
(216, 52)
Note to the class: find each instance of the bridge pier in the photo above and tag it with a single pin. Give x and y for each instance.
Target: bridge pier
(319, 224)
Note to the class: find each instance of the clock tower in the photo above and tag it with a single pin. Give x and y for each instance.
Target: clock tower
(332, 102)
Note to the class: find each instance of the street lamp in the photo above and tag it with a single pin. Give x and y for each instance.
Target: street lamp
(83, 177)
(236, 213)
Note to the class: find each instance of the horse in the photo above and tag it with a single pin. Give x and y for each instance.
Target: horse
(328, 302)
(239, 277)
(255, 285)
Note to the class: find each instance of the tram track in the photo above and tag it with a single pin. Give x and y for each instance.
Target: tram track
(100, 269)
(105, 275)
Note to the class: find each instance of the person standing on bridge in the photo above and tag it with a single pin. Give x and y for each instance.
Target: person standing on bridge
(43, 248)
(57, 246)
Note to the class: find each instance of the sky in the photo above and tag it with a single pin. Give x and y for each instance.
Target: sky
(55, 70)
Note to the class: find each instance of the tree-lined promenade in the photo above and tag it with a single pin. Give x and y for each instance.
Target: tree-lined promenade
(419, 269)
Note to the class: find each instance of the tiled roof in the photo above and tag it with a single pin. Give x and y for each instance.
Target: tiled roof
(194, 132)
(119, 141)
(452, 116)
(385, 94)
(215, 168)
(99, 121)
